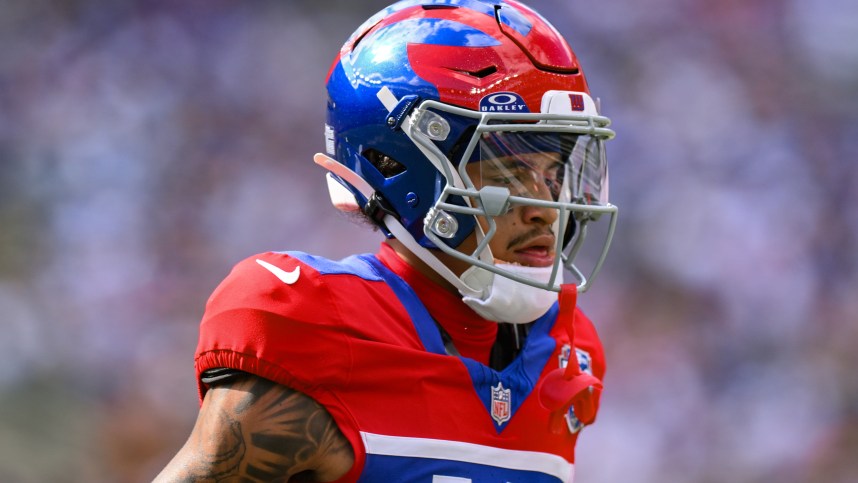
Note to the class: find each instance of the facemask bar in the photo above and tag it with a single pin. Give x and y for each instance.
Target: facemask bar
(489, 202)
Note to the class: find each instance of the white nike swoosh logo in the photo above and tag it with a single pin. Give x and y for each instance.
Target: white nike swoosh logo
(286, 277)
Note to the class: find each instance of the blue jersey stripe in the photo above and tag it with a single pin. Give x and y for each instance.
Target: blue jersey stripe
(424, 324)
(349, 266)
(398, 458)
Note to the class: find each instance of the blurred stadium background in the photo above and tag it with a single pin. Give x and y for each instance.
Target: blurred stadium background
(146, 146)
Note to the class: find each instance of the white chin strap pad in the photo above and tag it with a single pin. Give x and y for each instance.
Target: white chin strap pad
(506, 300)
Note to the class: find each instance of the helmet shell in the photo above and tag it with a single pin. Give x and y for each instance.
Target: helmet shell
(472, 54)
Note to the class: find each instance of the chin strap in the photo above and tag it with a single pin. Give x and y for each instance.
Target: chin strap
(565, 387)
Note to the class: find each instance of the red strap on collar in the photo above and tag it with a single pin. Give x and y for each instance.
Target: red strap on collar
(562, 388)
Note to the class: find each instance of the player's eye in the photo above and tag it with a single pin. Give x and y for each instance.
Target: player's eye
(502, 180)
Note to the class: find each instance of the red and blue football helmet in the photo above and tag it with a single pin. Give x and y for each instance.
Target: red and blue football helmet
(425, 88)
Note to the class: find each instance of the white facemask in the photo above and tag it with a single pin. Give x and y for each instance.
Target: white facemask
(504, 299)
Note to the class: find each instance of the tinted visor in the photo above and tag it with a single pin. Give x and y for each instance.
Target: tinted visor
(562, 167)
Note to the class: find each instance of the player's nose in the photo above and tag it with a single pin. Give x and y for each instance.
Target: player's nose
(542, 215)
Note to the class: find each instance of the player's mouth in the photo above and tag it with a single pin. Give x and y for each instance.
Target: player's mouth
(535, 251)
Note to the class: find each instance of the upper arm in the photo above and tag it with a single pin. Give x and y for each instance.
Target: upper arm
(249, 427)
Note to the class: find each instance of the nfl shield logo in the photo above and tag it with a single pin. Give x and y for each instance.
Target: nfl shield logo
(501, 404)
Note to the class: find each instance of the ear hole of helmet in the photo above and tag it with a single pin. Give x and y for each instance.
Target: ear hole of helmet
(387, 166)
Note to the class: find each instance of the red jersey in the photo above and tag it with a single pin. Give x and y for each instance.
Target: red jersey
(361, 336)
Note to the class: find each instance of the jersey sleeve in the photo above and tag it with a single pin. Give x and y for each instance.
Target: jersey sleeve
(271, 315)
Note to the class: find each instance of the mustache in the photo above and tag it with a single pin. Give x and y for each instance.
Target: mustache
(530, 235)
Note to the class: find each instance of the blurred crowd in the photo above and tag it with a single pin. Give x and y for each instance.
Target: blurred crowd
(147, 145)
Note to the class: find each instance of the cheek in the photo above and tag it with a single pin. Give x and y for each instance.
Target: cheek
(506, 229)
(504, 224)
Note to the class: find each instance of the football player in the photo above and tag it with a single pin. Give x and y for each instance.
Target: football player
(466, 132)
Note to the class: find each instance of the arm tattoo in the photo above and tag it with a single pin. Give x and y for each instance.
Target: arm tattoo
(252, 429)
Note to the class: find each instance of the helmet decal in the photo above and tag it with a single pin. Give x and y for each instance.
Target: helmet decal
(503, 102)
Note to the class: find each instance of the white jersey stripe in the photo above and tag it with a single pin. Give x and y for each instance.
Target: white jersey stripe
(549, 464)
